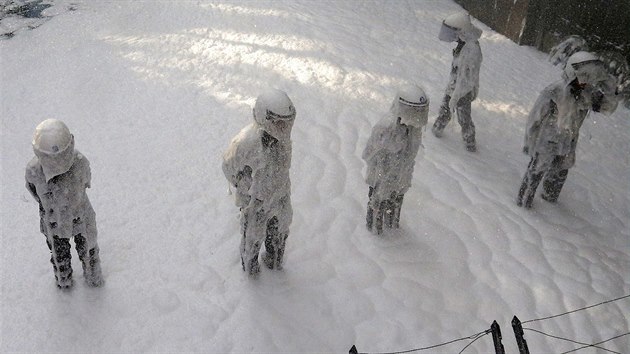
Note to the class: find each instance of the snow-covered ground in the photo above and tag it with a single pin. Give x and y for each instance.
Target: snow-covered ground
(153, 92)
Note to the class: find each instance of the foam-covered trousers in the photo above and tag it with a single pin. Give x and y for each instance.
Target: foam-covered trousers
(61, 258)
(463, 109)
(258, 226)
(383, 212)
(549, 170)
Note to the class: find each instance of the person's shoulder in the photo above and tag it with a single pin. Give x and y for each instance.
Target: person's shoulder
(34, 169)
(245, 143)
(80, 161)
(387, 121)
(247, 134)
(555, 89)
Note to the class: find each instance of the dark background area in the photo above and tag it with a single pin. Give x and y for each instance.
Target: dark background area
(604, 24)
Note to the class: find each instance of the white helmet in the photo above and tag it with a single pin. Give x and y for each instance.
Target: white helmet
(586, 67)
(275, 112)
(598, 86)
(458, 26)
(411, 105)
(54, 147)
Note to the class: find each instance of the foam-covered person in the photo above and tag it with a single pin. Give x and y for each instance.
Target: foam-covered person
(390, 156)
(553, 124)
(57, 177)
(256, 165)
(463, 83)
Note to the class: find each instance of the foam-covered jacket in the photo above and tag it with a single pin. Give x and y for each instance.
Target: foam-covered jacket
(390, 156)
(65, 209)
(256, 166)
(464, 77)
(554, 123)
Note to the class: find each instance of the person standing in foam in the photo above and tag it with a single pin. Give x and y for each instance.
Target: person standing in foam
(57, 178)
(256, 165)
(554, 123)
(463, 84)
(390, 156)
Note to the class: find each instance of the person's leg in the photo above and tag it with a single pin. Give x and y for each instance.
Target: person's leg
(397, 206)
(530, 183)
(370, 211)
(554, 180)
(443, 117)
(465, 121)
(253, 236)
(90, 261)
(274, 245)
(388, 214)
(61, 260)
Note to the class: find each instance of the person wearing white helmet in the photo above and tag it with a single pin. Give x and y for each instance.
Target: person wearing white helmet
(463, 84)
(57, 178)
(256, 165)
(390, 156)
(553, 125)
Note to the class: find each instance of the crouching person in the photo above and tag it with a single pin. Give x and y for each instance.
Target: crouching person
(57, 178)
(390, 156)
(553, 125)
(256, 165)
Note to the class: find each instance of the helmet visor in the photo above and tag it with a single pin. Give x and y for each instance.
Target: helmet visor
(448, 33)
(275, 116)
(413, 114)
(591, 71)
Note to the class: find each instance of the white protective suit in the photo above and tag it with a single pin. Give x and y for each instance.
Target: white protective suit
(256, 165)
(554, 123)
(390, 156)
(463, 84)
(57, 178)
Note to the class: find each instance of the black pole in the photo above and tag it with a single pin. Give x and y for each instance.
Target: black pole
(496, 338)
(519, 334)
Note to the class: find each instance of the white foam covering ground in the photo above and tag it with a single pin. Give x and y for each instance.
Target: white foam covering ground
(153, 91)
